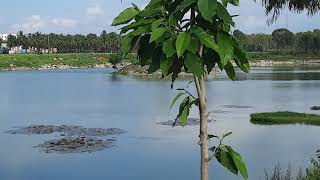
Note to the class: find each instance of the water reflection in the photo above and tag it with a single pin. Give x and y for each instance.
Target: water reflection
(95, 98)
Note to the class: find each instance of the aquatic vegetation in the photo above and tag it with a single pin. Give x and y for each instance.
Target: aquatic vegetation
(315, 108)
(73, 139)
(276, 118)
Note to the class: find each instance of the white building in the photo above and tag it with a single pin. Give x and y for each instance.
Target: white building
(4, 37)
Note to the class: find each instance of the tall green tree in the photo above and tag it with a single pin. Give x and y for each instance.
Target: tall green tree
(193, 35)
(283, 38)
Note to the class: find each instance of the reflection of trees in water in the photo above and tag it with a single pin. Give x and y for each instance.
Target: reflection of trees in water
(115, 77)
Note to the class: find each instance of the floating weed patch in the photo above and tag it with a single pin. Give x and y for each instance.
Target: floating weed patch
(277, 118)
(74, 139)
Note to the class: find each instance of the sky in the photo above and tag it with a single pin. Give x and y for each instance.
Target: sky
(93, 16)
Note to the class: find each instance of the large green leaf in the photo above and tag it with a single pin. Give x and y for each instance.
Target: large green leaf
(165, 64)
(185, 4)
(155, 61)
(178, 96)
(226, 48)
(230, 71)
(224, 158)
(240, 57)
(223, 14)
(184, 111)
(145, 50)
(140, 30)
(137, 24)
(239, 162)
(205, 38)
(126, 44)
(157, 33)
(156, 24)
(194, 64)
(169, 47)
(194, 46)
(125, 16)
(207, 9)
(182, 43)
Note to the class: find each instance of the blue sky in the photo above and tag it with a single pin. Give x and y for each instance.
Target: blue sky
(86, 16)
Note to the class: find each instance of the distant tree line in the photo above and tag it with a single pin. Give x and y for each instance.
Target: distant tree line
(281, 41)
(78, 43)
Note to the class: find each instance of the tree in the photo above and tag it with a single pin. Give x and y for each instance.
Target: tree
(170, 41)
(283, 38)
(104, 38)
(274, 7)
(12, 41)
(242, 38)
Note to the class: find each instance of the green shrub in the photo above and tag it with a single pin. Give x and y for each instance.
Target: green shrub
(115, 58)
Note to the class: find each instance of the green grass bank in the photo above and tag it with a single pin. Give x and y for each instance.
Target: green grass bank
(36, 61)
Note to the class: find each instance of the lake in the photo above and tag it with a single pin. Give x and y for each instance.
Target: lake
(96, 98)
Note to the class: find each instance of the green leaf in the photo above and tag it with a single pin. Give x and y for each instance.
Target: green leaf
(226, 48)
(234, 2)
(126, 44)
(155, 61)
(223, 14)
(210, 136)
(240, 57)
(137, 24)
(194, 64)
(165, 64)
(239, 162)
(178, 96)
(185, 4)
(184, 111)
(145, 50)
(182, 43)
(157, 33)
(205, 38)
(194, 46)
(227, 134)
(230, 71)
(169, 47)
(207, 9)
(140, 30)
(224, 158)
(156, 24)
(125, 16)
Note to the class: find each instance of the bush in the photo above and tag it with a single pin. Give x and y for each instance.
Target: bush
(115, 58)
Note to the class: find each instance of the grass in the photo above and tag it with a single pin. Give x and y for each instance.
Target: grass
(253, 56)
(7, 61)
(278, 118)
(315, 108)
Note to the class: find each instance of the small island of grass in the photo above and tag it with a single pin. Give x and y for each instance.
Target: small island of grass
(315, 108)
(278, 118)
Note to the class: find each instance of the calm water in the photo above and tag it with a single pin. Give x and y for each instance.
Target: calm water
(95, 98)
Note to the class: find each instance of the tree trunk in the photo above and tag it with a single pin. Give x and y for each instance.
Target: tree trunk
(200, 84)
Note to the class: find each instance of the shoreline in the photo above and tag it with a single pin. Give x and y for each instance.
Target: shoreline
(131, 70)
(56, 67)
(290, 62)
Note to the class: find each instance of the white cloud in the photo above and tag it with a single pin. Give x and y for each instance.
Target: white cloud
(37, 23)
(31, 24)
(64, 22)
(94, 9)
